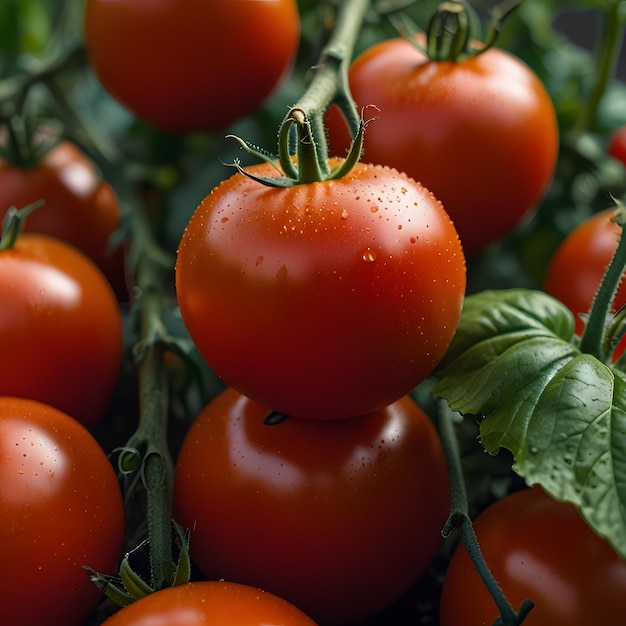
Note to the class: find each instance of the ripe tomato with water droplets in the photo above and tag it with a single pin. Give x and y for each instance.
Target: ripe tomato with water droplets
(325, 300)
(339, 517)
(480, 133)
(61, 509)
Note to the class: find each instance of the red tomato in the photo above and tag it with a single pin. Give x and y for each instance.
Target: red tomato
(542, 550)
(326, 300)
(80, 208)
(216, 603)
(617, 144)
(579, 263)
(61, 509)
(60, 328)
(481, 133)
(184, 65)
(339, 517)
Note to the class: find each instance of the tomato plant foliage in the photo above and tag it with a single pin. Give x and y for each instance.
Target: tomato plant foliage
(560, 411)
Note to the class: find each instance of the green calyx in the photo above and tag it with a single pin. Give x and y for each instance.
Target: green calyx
(452, 31)
(14, 223)
(128, 586)
(302, 148)
(309, 163)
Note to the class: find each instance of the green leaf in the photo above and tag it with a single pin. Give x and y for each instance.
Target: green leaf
(576, 444)
(560, 412)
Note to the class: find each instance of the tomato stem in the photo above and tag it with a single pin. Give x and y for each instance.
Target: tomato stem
(150, 266)
(328, 85)
(459, 519)
(14, 89)
(609, 42)
(592, 340)
(311, 168)
(450, 30)
(330, 80)
(450, 33)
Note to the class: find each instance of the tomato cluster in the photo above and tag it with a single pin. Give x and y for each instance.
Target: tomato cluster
(326, 302)
(298, 326)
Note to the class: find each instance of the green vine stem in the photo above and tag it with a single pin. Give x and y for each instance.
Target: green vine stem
(329, 85)
(592, 340)
(151, 269)
(330, 81)
(459, 519)
(14, 90)
(609, 39)
(146, 455)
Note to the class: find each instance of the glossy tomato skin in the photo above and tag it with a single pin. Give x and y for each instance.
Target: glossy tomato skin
(339, 517)
(60, 328)
(215, 603)
(481, 133)
(538, 549)
(325, 300)
(61, 509)
(578, 265)
(184, 65)
(79, 208)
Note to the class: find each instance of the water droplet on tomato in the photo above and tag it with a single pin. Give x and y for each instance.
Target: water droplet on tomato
(369, 255)
(344, 214)
(259, 261)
